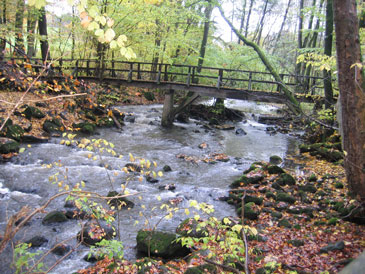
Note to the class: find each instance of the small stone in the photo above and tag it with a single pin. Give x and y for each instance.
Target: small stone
(8, 145)
(276, 215)
(167, 187)
(284, 197)
(166, 168)
(312, 178)
(332, 246)
(37, 241)
(151, 180)
(308, 188)
(61, 249)
(296, 242)
(284, 223)
(275, 160)
(240, 132)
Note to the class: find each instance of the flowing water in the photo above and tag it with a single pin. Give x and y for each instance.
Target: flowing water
(25, 180)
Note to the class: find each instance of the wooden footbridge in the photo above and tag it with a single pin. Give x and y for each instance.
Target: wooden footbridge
(205, 81)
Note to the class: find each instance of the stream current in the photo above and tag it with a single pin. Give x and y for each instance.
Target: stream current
(25, 180)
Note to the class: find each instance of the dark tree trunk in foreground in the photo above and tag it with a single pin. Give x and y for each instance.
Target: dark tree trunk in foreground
(42, 25)
(327, 81)
(352, 93)
(2, 21)
(203, 46)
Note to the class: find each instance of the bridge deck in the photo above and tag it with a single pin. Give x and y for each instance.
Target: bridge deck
(207, 81)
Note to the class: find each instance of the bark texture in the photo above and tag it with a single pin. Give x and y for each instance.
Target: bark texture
(352, 91)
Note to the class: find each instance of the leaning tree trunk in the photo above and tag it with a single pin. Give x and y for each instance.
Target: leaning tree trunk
(292, 103)
(282, 27)
(352, 90)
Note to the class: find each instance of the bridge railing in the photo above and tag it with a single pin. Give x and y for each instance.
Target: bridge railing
(182, 74)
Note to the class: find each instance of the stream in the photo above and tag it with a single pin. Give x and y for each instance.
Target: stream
(25, 180)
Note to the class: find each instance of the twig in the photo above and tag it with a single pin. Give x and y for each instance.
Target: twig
(243, 233)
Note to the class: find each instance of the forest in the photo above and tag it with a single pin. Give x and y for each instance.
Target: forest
(182, 136)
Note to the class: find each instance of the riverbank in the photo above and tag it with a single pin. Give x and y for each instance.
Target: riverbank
(313, 214)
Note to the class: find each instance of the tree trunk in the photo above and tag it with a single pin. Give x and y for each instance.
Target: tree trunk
(242, 19)
(310, 25)
(3, 21)
(207, 15)
(168, 114)
(42, 25)
(292, 103)
(31, 24)
(248, 18)
(261, 24)
(282, 26)
(19, 37)
(300, 43)
(352, 93)
(73, 33)
(327, 81)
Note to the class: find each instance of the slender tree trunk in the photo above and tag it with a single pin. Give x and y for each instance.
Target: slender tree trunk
(292, 103)
(327, 81)
(3, 21)
(282, 26)
(207, 15)
(73, 33)
(261, 24)
(42, 26)
(31, 24)
(19, 37)
(242, 19)
(352, 93)
(248, 18)
(300, 42)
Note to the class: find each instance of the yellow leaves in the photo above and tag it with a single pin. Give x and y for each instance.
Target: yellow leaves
(109, 35)
(187, 212)
(159, 198)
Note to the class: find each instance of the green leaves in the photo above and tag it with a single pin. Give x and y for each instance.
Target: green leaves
(37, 3)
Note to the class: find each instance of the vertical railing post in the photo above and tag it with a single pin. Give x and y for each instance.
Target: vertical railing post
(220, 78)
(87, 67)
(139, 71)
(250, 81)
(193, 76)
(189, 77)
(60, 66)
(158, 78)
(166, 76)
(130, 73)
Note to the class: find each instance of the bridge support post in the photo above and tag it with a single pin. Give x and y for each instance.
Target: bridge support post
(168, 112)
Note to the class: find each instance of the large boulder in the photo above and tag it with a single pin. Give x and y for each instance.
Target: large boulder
(33, 112)
(161, 244)
(14, 132)
(8, 145)
(190, 228)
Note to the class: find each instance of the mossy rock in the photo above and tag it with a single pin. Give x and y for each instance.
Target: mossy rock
(249, 212)
(90, 115)
(332, 221)
(339, 185)
(296, 242)
(54, 217)
(269, 195)
(286, 179)
(49, 126)
(312, 178)
(284, 223)
(308, 188)
(14, 132)
(105, 122)
(160, 244)
(275, 169)
(8, 145)
(254, 199)
(284, 197)
(33, 112)
(276, 215)
(9, 122)
(246, 180)
(205, 268)
(85, 127)
(275, 160)
(190, 228)
(119, 203)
